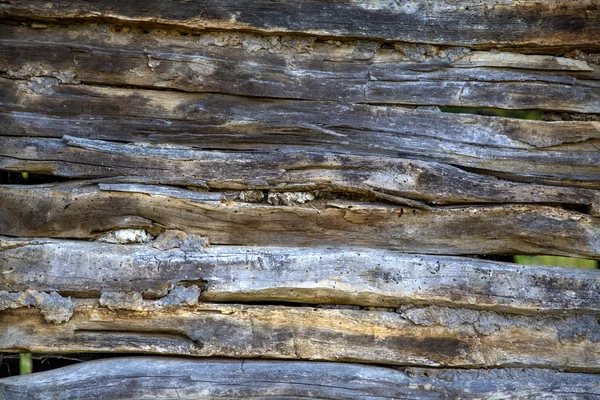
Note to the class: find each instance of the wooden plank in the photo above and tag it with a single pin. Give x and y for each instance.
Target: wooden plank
(515, 60)
(420, 336)
(393, 179)
(361, 277)
(551, 23)
(296, 68)
(87, 210)
(173, 378)
(547, 152)
(475, 94)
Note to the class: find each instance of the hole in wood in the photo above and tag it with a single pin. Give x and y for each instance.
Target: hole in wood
(9, 362)
(27, 178)
(495, 112)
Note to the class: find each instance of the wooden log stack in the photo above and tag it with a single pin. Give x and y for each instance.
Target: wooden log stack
(271, 199)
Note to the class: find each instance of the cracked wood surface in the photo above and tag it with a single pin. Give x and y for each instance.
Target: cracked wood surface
(173, 378)
(87, 210)
(386, 178)
(552, 23)
(420, 336)
(315, 126)
(361, 277)
(290, 67)
(562, 152)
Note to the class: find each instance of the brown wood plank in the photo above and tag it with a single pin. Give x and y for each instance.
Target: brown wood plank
(551, 23)
(173, 378)
(421, 336)
(87, 210)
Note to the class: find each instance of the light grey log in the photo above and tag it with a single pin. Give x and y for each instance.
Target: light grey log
(316, 276)
(551, 152)
(87, 210)
(470, 22)
(515, 60)
(421, 336)
(297, 68)
(173, 378)
(386, 178)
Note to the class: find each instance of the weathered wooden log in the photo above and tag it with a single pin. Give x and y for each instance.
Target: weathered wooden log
(293, 275)
(421, 336)
(87, 210)
(172, 378)
(297, 68)
(552, 23)
(393, 179)
(546, 152)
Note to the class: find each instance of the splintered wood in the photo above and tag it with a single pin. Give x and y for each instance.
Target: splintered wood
(312, 183)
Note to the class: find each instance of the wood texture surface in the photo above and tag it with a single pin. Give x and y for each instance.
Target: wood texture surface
(420, 336)
(86, 211)
(563, 152)
(292, 67)
(172, 378)
(293, 180)
(362, 277)
(471, 22)
(386, 178)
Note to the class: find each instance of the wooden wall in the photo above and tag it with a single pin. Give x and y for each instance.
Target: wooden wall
(278, 190)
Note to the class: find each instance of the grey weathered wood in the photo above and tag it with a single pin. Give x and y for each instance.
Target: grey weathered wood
(87, 210)
(550, 152)
(392, 179)
(422, 336)
(317, 276)
(552, 23)
(173, 378)
(298, 68)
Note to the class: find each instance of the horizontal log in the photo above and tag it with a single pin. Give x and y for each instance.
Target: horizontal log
(297, 68)
(420, 336)
(87, 210)
(547, 152)
(552, 23)
(315, 276)
(392, 179)
(173, 378)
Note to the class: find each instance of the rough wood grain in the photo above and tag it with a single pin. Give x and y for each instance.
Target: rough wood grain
(550, 23)
(421, 336)
(551, 152)
(172, 378)
(316, 276)
(299, 68)
(392, 179)
(80, 210)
